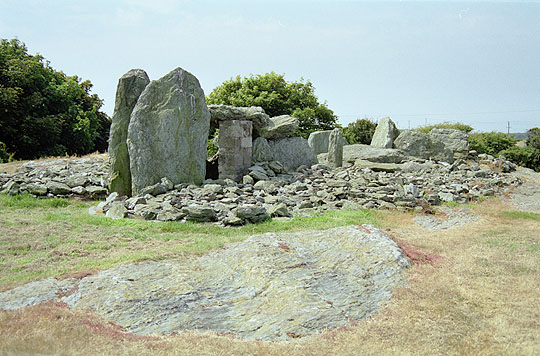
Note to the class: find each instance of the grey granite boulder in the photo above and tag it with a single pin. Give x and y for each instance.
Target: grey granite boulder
(130, 86)
(168, 132)
(279, 127)
(422, 145)
(455, 140)
(385, 134)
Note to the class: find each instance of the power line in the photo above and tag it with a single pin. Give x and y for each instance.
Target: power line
(456, 114)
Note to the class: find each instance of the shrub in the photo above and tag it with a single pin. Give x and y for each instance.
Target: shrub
(360, 131)
(524, 156)
(446, 125)
(44, 112)
(533, 138)
(277, 97)
(5, 156)
(490, 142)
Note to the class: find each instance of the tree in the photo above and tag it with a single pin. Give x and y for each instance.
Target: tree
(277, 97)
(360, 131)
(44, 112)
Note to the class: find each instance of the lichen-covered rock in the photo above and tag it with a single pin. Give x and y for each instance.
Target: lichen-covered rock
(292, 152)
(260, 288)
(335, 149)
(279, 127)
(130, 86)
(351, 153)
(318, 141)
(255, 114)
(422, 145)
(168, 132)
(261, 150)
(58, 188)
(385, 134)
(455, 140)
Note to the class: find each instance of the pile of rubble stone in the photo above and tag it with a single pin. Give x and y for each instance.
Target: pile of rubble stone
(85, 178)
(268, 191)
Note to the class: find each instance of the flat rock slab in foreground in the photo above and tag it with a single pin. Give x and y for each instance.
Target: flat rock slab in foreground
(270, 286)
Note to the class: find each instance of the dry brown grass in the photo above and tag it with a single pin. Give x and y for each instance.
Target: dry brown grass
(478, 294)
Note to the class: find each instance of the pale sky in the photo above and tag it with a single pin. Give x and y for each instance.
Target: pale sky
(417, 62)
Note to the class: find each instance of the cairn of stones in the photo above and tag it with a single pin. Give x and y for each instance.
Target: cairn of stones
(157, 165)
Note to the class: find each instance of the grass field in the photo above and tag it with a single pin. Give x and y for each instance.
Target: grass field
(474, 289)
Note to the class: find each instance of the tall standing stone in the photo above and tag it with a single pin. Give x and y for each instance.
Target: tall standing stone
(130, 86)
(168, 132)
(234, 148)
(335, 149)
(385, 134)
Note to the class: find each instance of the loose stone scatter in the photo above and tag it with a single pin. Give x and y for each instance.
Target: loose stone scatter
(274, 286)
(269, 191)
(447, 218)
(86, 178)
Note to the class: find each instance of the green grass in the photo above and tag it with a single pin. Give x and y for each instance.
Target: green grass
(521, 215)
(42, 237)
(25, 201)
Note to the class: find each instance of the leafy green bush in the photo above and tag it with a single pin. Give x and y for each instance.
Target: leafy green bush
(533, 138)
(43, 112)
(212, 147)
(5, 156)
(277, 97)
(490, 142)
(446, 125)
(524, 156)
(360, 131)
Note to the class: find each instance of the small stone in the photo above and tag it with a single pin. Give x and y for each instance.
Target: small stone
(117, 211)
(36, 189)
(279, 210)
(247, 179)
(58, 188)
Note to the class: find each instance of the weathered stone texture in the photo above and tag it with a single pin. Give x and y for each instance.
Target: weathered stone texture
(351, 153)
(130, 86)
(385, 134)
(292, 152)
(255, 114)
(455, 140)
(168, 132)
(419, 144)
(259, 288)
(335, 149)
(279, 127)
(318, 141)
(235, 148)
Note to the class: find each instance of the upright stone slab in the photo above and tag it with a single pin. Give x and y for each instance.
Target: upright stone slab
(168, 132)
(422, 145)
(385, 134)
(318, 141)
(335, 149)
(130, 86)
(292, 152)
(455, 140)
(234, 148)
